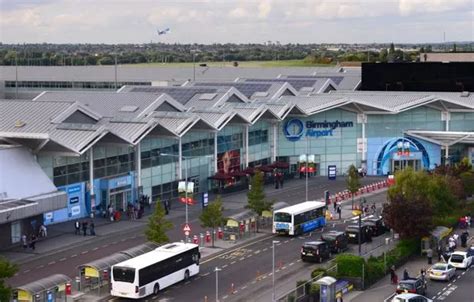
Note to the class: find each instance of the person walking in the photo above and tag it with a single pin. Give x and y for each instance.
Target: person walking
(429, 254)
(77, 227)
(111, 212)
(92, 227)
(33, 240)
(439, 252)
(84, 228)
(406, 276)
(24, 241)
(43, 231)
(393, 275)
(167, 206)
(339, 211)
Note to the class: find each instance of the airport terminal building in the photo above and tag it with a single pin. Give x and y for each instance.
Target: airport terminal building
(109, 147)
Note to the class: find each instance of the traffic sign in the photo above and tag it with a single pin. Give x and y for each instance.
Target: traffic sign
(186, 228)
(186, 233)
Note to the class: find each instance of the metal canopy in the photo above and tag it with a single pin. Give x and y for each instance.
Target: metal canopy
(140, 249)
(443, 138)
(45, 284)
(106, 262)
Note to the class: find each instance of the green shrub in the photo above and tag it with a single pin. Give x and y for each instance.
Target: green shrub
(349, 265)
(318, 271)
(314, 290)
(374, 270)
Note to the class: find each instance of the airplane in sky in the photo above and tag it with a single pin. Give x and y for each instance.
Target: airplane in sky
(163, 32)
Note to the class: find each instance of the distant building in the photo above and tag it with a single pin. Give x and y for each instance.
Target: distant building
(447, 57)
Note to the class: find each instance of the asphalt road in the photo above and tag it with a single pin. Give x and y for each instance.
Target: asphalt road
(458, 290)
(67, 260)
(246, 271)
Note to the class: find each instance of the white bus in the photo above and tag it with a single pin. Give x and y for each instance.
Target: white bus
(299, 218)
(151, 272)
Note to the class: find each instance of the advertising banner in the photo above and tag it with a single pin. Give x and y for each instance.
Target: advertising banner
(229, 161)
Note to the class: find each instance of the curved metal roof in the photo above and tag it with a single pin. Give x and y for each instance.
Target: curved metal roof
(45, 284)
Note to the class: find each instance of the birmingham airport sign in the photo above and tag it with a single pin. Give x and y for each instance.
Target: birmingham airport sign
(294, 129)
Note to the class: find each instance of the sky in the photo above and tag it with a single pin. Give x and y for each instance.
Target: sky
(236, 21)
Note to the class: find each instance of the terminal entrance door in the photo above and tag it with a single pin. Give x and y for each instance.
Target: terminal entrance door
(402, 164)
(120, 197)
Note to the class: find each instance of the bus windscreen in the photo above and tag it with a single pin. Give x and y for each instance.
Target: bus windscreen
(282, 217)
(124, 274)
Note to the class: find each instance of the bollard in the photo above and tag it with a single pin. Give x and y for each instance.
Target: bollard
(232, 288)
(205, 298)
(201, 235)
(208, 236)
(220, 233)
(195, 239)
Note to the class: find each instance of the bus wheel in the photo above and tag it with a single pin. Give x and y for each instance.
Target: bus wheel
(186, 275)
(156, 289)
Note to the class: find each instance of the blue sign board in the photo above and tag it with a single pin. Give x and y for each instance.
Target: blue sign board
(332, 170)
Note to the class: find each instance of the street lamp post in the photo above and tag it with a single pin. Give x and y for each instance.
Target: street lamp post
(217, 270)
(306, 167)
(273, 268)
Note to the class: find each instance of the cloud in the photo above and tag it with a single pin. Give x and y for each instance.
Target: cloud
(408, 7)
(264, 8)
(239, 12)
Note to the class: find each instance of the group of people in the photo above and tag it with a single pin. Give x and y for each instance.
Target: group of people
(30, 240)
(465, 222)
(278, 177)
(84, 225)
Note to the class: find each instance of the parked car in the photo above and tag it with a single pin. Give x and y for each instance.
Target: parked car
(376, 224)
(352, 232)
(315, 251)
(470, 251)
(410, 298)
(412, 285)
(460, 259)
(442, 271)
(337, 241)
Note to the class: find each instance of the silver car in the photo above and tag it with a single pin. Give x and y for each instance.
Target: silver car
(442, 271)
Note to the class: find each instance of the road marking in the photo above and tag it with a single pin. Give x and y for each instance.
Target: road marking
(115, 242)
(197, 278)
(85, 252)
(265, 249)
(439, 293)
(243, 258)
(233, 262)
(244, 287)
(292, 263)
(187, 282)
(459, 277)
(225, 297)
(41, 266)
(52, 262)
(286, 241)
(206, 274)
(122, 240)
(26, 271)
(72, 256)
(299, 260)
(256, 252)
(283, 267)
(249, 256)
(253, 282)
(95, 249)
(292, 239)
(270, 274)
(264, 276)
(62, 259)
(224, 266)
(104, 246)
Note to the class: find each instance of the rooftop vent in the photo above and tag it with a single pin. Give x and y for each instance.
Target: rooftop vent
(260, 94)
(128, 108)
(465, 94)
(207, 96)
(19, 124)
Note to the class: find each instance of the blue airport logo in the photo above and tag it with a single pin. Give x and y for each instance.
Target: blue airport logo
(293, 129)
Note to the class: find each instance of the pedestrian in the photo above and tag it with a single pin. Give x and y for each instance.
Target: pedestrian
(439, 252)
(24, 241)
(373, 208)
(393, 275)
(429, 254)
(84, 228)
(406, 276)
(423, 274)
(92, 227)
(339, 211)
(456, 239)
(464, 237)
(335, 206)
(33, 242)
(43, 232)
(167, 206)
(111, 212)
(77, 227)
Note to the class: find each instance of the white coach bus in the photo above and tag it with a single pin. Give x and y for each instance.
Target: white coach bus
(151, 272)
(299, 218)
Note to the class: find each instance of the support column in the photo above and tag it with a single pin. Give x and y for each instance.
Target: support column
(215, 152)
(138, 158)
(246, 141)
(446, 155)
(447, 116)
(91, 180)
(180, 159)
(363, 120)
(274, 147)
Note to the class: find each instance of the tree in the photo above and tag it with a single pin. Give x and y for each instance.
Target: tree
(353, 182)
(256, 196)
(158, 225)
(392, 48)
(7, 270)
(212, 216)
(383, 55)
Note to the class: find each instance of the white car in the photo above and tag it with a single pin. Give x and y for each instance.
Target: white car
(410, 298)
(460, 260)
(442, 271)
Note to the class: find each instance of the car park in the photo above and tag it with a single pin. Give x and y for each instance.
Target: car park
(442, 271)
(412, 285)
(352, 232)
(337, 241)
(410, 298)
(315, 251)
(460, 260)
